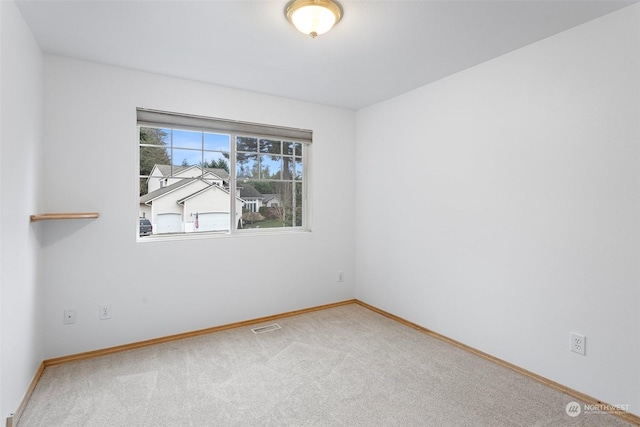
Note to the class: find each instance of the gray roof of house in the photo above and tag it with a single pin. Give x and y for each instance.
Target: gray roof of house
(246, 190)
(165, 170)
(164, 190)
(249, 191)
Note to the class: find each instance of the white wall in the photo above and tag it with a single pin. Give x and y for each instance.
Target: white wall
(21, 338)
(521, 175)
(162, 288)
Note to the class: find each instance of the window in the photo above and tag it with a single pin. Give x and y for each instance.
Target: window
(207, 175)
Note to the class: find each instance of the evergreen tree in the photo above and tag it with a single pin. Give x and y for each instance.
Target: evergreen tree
(151, 156)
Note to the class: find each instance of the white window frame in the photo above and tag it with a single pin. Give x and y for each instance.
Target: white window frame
(167, 120)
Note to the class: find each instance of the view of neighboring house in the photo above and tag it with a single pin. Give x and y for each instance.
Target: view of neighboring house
(252, 198)
(271, 200)
(187, 199)
(163, 175)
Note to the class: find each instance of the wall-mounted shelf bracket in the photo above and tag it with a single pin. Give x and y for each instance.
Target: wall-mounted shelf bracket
(64, 215)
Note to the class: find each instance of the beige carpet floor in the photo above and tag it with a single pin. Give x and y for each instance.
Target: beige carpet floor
(343, 366)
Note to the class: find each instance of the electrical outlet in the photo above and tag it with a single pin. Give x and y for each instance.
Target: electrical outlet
(578, 343)
(340, 276)
(105, 312)
(69, 316)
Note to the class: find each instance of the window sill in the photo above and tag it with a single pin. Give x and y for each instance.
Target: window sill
(221, 235)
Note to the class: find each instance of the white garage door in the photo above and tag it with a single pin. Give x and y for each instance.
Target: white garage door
(217, 221)
(168, 223)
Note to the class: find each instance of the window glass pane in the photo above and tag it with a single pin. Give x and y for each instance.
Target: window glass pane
(272, 210)
(245, 143)
(297, 220)
(216, 142)
(288, 168)
(270, 146)
(280, 205)
(151, 156)
(246, 165)
(198, 222)
(298, 170)
(292, 148)
(155, 136)
(216, 160)
(186, 157)
(270, 167)
(284, 192)
(187, 139)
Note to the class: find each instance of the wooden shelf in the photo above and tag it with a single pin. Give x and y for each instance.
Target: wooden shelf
(65, 215)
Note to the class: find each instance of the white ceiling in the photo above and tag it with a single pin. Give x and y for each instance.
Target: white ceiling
(380, 49)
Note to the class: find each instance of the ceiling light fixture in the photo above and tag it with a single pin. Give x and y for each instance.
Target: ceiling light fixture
(313, 17)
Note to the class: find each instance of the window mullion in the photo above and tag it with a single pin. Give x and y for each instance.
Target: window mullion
(258, 158)
(172, 159)
(305, 181)
(294, 216)
(232, 183)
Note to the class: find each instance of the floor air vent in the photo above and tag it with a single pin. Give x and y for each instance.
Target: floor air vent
(265, 328)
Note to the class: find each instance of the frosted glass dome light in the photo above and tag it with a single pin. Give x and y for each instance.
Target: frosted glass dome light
(313, 17)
